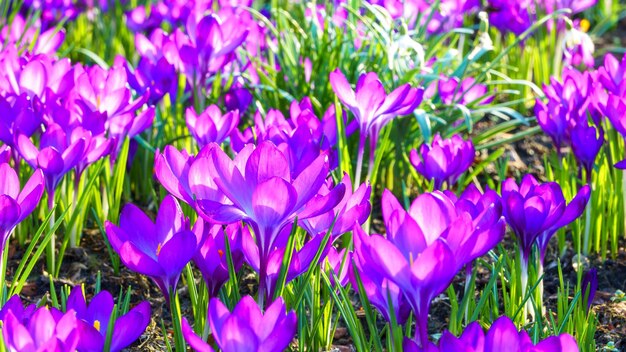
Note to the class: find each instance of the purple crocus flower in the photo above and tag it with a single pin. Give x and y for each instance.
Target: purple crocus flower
(57, 155)
(589, 286)
(421, 271)
(578, 47)
(210, 45)
(260, 188)
(238, 98)
(586, 143)
(46, 330)
(372, 107)
(171, 168)
(567, 105)
(159, 250)
(444, 160)
(106, 90)
(246, 328)
(535, 212)
(14, 305)
(156, 70)
(211, 257)
(18, 118)
(612, 75)
(512, 16)
(452, 91)
(426, 246)
(614, 111)
(502, 336)
(23, 35)
(96, 148)
(16, 203)
(211, 126)
(93, 321)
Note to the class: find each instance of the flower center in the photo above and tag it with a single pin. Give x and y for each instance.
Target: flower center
(159, 247)
(96, 324)
(221, 253)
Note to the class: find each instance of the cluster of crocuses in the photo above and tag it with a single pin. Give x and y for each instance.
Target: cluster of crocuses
(574, 108)
(251, 189)
(206, 46)
(62, 116)
(98, 326)
(571, 116)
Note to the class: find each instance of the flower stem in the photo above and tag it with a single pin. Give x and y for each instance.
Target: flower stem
(179, 340)
(359, 160)
(50, 255)
(587, 229)
(524, 280)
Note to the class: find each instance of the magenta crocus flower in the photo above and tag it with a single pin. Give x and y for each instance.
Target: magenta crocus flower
(260, 188)
(171, 168)
(93, 321)
(586, 143)
(211, 126)
(444, 160)
(425, 247)
(567, 105)
(535, 212)
(159, 250)
(57, 155)
(246, 328)
(19, 118)
(211, 44)
(106, 90)
(614, 111)
(589, 286)
(16, 203)
(211, 256)
(14, 305)
(502, 336)
(156, 70)
(452, 91)
(512, 16)
(372, 107)
(612, 75)
(420, 271)
(46, 330)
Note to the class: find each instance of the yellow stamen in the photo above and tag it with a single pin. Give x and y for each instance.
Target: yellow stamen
(584, 25)
(158, 249)
(96, 324)
(411, 258)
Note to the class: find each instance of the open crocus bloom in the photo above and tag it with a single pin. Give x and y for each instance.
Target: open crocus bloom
(46, 330)
(260, 187)
(211, 126)
(444, 160)
(425, 247)
(536, 211)
(93, 321)
(159, 250)
(502, 336)
(246, 328)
